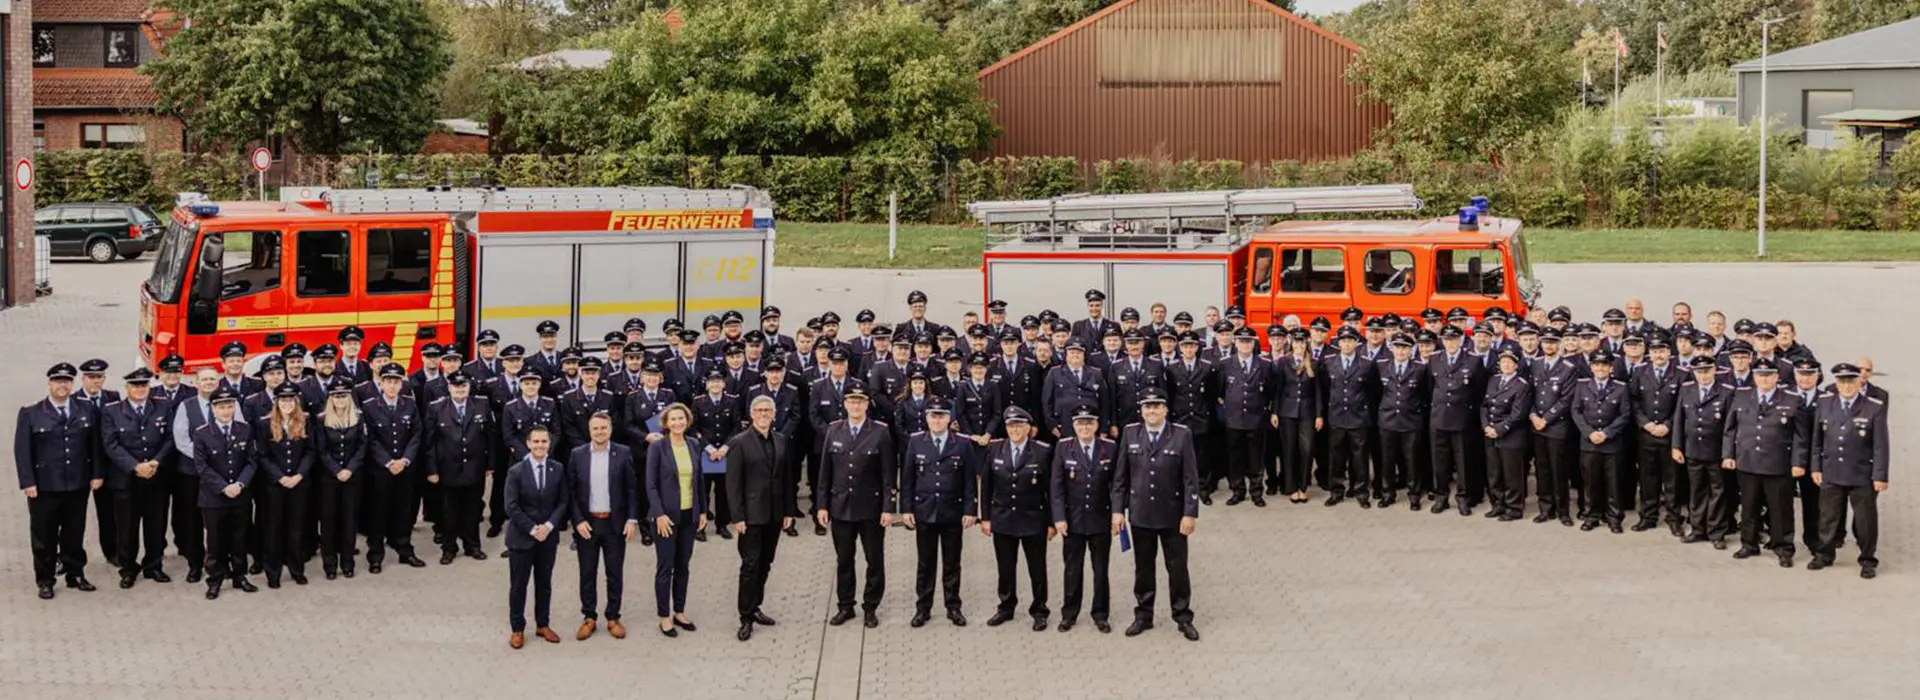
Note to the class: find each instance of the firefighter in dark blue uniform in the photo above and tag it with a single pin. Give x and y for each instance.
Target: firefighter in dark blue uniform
(1245, 382)
(1766, 444)
(1655, 390)
(1014, 513)
(1082, 504)
(223, 457)
(546, 360)
(56, 451)
(1601, 412)
(461, 437)
(1699, 427)
(1192, 396)
(1453, 410)
(1402, 417)
(978, 402)
(1503, 420)
(1071, 386)
(1091, 329)
(716, 417)
(576, 407)
(1349, 380)
(1156, 495)
(137, 435)
(939, 502)
(1553, 376)
(1131, 374)
(856, 495)
(1849, 452)
(395, 439)
(1019, 378)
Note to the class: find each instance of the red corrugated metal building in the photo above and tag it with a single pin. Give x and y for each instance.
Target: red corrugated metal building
(1203, 79)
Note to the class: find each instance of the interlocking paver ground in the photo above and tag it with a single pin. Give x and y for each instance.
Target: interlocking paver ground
(1294, 601)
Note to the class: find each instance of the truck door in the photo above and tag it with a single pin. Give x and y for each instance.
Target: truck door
(237, 292)
(1473, 277)
(1389, 282)
(400, 303)
(1311, 280)
(322, 301)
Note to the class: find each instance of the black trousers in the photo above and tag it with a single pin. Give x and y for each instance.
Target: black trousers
(57, 526)
(1775, 493)
(1660, 480)
(1809, 493)
(1475, 483)
(1148, 543)
(1296, 454)
(939, 548)
(339, 515)
(1006, 557)
(872, 539)
(609, 544)
(1450, 477)
(757, 547)
(1399, 455)
(284, 514)
(1078, 549)
(1710, 510)
(1507, 478)
(428, 504)
(390, 504)
(1210, 449)
(1322, 467)
(497, 498)
(106, 526)
(715, 486)
(1600, 470)
(189, 535)
(1834, 502)
(460, 517)
(1245, 449)
(140, 511)
(226, 540)
(1347, 447)
(1553, 466)
(535, 563)
(673, 557)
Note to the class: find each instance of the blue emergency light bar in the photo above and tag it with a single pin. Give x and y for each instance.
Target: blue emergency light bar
(1469, 218)
(204, 209)
(1480, 202)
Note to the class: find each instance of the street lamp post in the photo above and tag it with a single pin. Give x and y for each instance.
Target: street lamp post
(1761, 113)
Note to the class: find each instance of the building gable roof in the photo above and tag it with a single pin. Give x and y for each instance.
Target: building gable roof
(1116, 7)
(1894, 45)
(90, 10)
(114, 88)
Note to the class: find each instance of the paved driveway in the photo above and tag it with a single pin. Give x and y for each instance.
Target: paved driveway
(1294, 601)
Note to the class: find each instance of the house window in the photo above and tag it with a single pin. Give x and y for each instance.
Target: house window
(42, 47)
(121, 52)
(39, 136)
(112, 136)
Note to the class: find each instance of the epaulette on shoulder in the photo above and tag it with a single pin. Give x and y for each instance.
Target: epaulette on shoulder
(111, 404)
(917, 433)
(1106, 440)
(437, 401)
(1042, 443)
(1178, 426)
(1129, 425)
(878, 422)
(1742, 388)
(1689, 383)
(1875, 401)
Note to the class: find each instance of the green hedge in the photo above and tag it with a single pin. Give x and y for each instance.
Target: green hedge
(1689, 185)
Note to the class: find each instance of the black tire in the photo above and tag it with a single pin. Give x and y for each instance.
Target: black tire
(101, 250)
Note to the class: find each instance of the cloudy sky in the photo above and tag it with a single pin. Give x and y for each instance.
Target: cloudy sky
(1324, 6)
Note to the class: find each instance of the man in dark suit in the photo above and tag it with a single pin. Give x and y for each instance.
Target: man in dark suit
(1019, 378)
(138, 443)
(1014, 488)
(1655, 390)
(789, 418)
(855, 495)
(547, 360)
(1766, 445)
(827, 402)
(1454, 408)
(1071, 386)
(1082, 505)
(1156, 492)
(1601, 413)
(223, 454)
(56, 450)
(937, 480)
(1699, 427)
(1192, 397)
(605, 506)
(1503, 420)
(762, 496)
(537, 507)
(1849, 478)
(1091, 329)
(1348, 380)
(460, 438)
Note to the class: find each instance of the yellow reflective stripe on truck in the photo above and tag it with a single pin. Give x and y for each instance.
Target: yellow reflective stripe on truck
(334, 320)
(616, 308)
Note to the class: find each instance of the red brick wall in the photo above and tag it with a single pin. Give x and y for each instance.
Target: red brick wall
(18, 71)
(63, 128)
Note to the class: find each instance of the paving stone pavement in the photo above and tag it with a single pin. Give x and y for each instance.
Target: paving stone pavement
(1291, 600)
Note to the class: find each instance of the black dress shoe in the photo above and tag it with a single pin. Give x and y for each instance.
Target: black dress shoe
(373, 567)
(273, 582)
(347, 572)
(243, 584)
(439, 538)
(504, 553)
(682, 624)
(1438, 507)
(1066, 625)
(1138, 627)
(872, 619)
(1589, 525)
(1694, 538)
(1335, 500)
(700, 535)
(746, 631)
(1189, 631)
(46, 591)
(1413, 504)
(126, 580)
(446, 557)
(158, 576)
(1674, 527)
(331, 574)
(1103, 626)
(1040, 624)
(1508, 517)
(840, 617)
(1869, 570)
(1720, 543)
(1364, 503)
(299, 578)
(413, 561)
(1000, 617)
(1745, 552)
(81, 583)
(1465, 510)
(1645, 525)
(1206, 499)
(726, 533)
(646, 538)
(493, 531)
(194, 575)
(1259, 500)
(1495, 513)
(956, 618)
(1236, 499)
(213, 589)
(1566, 520)
(1272, 488)
(1614, 528)
(791, 532)
(819, 530)
(1543, 517)
(1786, 560)
(760, 618)
(1819, 563)
(256, 568)
(920, 619)
(477, 555)
(1388, 500)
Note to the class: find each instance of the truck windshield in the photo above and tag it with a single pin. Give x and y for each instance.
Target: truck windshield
(170, 265)
(1523, 270)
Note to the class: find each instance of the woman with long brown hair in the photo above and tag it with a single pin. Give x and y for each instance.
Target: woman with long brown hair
(1298, 405)
(342, 444)
(284, 457)
(676, 510)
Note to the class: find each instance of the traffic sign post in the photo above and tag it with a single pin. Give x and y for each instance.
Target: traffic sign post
(261, 160)
(23, 174)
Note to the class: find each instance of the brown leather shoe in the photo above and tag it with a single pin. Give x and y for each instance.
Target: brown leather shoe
(586, 630)
(548, 634)
(517, 640)
(619, 631)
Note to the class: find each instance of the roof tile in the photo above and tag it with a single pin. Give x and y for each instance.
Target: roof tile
(79, 10)
(119, 88)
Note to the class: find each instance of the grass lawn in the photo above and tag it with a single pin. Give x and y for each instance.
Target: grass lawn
(925, 246)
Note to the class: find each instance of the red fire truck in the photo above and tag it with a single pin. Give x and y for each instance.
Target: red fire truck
(436, 265)
(1191, 250)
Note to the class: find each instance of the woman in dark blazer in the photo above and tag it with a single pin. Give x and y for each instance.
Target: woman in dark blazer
(342, 444)
(675, 511)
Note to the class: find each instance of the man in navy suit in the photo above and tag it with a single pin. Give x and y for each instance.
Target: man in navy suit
(536, 508)
(606, 514)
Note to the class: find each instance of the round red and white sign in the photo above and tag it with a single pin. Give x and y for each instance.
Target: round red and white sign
(23, 174)
(262, 159)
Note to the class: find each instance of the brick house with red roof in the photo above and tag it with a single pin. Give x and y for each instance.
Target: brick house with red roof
(87, 89)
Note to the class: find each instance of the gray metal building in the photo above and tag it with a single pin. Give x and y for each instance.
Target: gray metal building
(1875, 74)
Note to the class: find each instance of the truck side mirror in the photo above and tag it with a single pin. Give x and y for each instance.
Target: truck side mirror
(203, 301)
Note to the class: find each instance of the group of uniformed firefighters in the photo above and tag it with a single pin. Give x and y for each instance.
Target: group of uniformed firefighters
(1086, 430)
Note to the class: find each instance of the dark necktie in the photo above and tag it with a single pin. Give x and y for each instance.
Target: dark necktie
(1089, 451)
(540, 476)
(63, 413)
(460, 413)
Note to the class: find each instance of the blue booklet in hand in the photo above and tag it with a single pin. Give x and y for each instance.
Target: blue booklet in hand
(1126, 539)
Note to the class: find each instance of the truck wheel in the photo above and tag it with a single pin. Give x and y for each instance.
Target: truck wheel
(101, 251)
